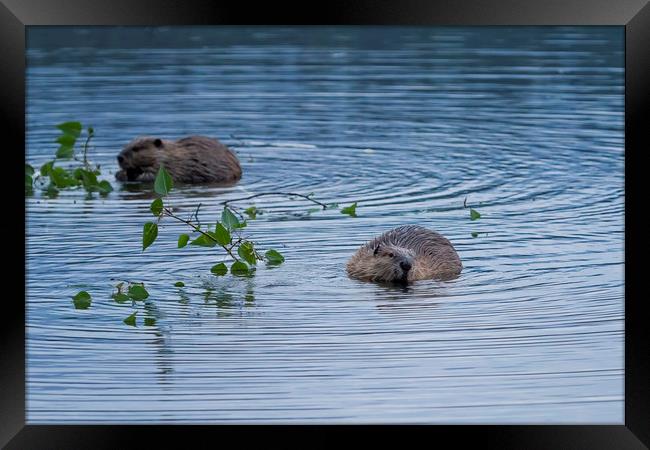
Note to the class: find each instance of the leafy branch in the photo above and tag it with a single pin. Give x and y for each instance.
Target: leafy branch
(52, 178)
(225, 233)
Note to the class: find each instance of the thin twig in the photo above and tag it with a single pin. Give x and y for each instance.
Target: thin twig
(290, 194)
(195, 214)
(234, 244)
(228, 250)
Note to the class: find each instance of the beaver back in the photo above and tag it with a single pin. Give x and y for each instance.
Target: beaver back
(198, 159)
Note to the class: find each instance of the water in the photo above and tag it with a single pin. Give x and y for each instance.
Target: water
(527, 123)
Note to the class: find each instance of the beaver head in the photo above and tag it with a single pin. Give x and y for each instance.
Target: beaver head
(391, 263)
(141, 155)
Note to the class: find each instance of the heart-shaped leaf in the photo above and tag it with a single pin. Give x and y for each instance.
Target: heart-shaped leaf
(163, 183)
(274, 257)
(219, 269)
(149, 234)
(156, 207)
(82, 300)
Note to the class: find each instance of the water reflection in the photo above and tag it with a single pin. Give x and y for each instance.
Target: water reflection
(162, 342)
(229, 296)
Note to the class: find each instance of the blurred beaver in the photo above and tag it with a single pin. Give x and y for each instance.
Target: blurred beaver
(194, 159)
(404, 254)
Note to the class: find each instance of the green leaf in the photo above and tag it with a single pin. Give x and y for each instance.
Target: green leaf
(163, 183)
(179, 284)
(219, 269)
(350, 210)
(247, 253)
(137, 292)
(29, 182)
(66, 140)
(474, 234)
(182, 240)
(78, 173)
(82, 300)
(156, 207)
(73, 128)
(149, 321)
(104, 187)
(65, 152)
(29, 170)
(45, 168)
(131, 319)
(205, 241)
(229, 220)
(251, 212)
(120, 297)
(274, 257)
(62, 178)
(239, 268)
(58, 176)
(89, 179)
(51, 190)
(149, 234)
(222, 235)
(473, 214)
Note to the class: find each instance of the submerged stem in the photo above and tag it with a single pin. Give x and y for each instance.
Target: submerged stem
(90, 135)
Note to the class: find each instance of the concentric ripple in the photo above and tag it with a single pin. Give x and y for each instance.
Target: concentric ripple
(525, 125)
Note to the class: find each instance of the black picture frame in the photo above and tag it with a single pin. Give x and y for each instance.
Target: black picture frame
(634, 15)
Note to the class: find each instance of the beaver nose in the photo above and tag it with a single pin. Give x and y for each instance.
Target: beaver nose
(120, 159)
(405, 266)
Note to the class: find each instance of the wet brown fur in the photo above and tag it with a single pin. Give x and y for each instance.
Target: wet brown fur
(194, 159)
(388, 257)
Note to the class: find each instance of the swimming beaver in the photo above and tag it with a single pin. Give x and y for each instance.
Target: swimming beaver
(405, 254)
(194, 159)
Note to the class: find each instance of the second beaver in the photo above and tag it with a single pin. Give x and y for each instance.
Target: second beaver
(194, 159)
(404, 254)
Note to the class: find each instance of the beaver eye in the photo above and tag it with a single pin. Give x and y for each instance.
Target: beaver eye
(390, 255)
(137, 148)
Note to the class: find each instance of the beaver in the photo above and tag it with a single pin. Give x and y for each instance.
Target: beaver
(194, 159)
(404, 254)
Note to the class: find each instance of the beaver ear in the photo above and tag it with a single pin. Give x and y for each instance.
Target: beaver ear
(376, 250)
(157, 143)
